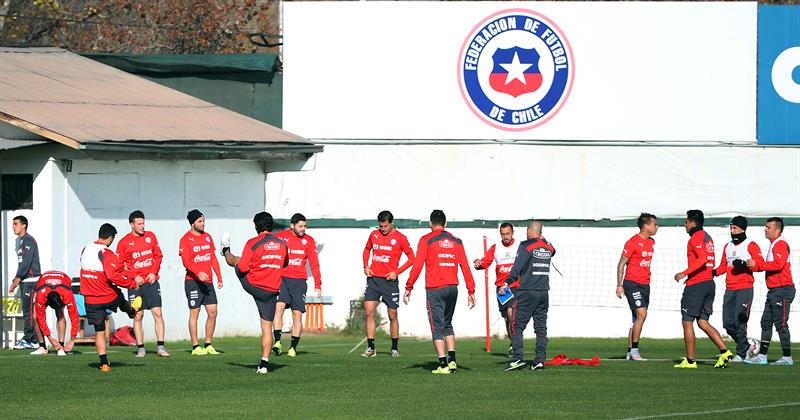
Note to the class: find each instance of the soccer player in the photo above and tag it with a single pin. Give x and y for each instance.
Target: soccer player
(54, 290)
(698, 295)
(259, 270)
(738, 284)
(387, 245)
(532, 268)
(102, 273)
(503, 255)
(779, 297)
(441, 254)
(28, 272)
(294, 284)
(633, 278)
(197, 252)
(140, 251)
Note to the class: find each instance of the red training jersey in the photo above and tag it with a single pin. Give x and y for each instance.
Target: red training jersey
(777, 266)
(639, 252)
(441, 253)
(198, 255)
(141, 254)
(386, 252)
(301, 249)
(60, 283)
(739, 278)
(503, 257)
(700, 253)
(263, 260)
(101, 272)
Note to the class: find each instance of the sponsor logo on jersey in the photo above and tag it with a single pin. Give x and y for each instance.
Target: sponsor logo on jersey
(542, 253)
(446, 243)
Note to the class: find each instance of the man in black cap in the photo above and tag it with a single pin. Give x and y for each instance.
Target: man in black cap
(197, 252)
(738, 284)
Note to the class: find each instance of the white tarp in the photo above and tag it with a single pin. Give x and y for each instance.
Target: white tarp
(643, 71)
(498, 182)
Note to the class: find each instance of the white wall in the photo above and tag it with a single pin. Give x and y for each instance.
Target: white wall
(643, 71)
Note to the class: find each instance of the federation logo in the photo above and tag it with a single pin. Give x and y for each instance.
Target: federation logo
(515, 69)
(393, 241)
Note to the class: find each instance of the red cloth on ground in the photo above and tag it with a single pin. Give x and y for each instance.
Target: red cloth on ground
(561, 359)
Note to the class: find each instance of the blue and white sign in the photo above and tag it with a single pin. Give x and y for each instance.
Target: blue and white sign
(779, 75)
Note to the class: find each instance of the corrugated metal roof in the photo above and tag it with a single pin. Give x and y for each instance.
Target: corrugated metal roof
(61, 95)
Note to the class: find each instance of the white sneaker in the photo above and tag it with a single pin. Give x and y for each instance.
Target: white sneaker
(62, 352)
(737, 359)
(41, 351)
(395, 354)
(784, 361)
(634, 355)
(261, 371)
(141, 352)
(758, 359)
(628, 356)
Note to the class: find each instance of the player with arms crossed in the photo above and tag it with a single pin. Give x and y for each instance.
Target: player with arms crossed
(633, 278)
(387, 245)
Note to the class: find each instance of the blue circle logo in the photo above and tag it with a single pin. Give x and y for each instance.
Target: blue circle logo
(515, 69)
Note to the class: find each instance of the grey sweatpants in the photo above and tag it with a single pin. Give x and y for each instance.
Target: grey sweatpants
(441, 304)
(26, 289)
(776, 312)
(530, 304)
(735, 313)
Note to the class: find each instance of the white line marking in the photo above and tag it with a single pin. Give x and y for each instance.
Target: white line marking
(727, 410)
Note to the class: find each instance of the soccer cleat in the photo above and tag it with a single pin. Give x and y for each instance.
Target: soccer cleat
(758, 359)
(199, 351)
(369, 352)
(21, 345)
(34, 345)
(141, 352)
(634, 355)
(784, 361)
(515, 365)
(628, 356)
(62, 352)
(292, 352)
(737, 359)
(510, 351)
(441, 370)
(136, 304)
(262, 371)
(537, 366)
(41, 351)
(684, 364)
(277, 348)
(724, 359)
(162, 352)
(395, 353)
(452, 366)
(105, 368)
(211, 350)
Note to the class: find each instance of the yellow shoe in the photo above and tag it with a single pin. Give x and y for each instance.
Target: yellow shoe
(291, 352)
(199, 351)
(211, 350)
(277, 348)
(105, 368)
(136, 304)
(684, 364)
(441, 371)
(452, 366)
(724, 359)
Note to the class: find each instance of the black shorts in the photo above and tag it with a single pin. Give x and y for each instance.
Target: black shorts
(150, 293)
(698, 301)
(638, 295)
(96, 313)
(293, 293)
(199, 293)
(265, 299)
(441, 304)
(504, 307)
(379, 289)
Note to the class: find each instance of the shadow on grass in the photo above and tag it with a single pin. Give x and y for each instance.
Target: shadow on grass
(253, 366)
(429, 366)
(115, 365)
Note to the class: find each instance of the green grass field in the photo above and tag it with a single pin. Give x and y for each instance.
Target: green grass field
(324, 381)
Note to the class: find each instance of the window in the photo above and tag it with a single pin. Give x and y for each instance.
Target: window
(17, 191)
